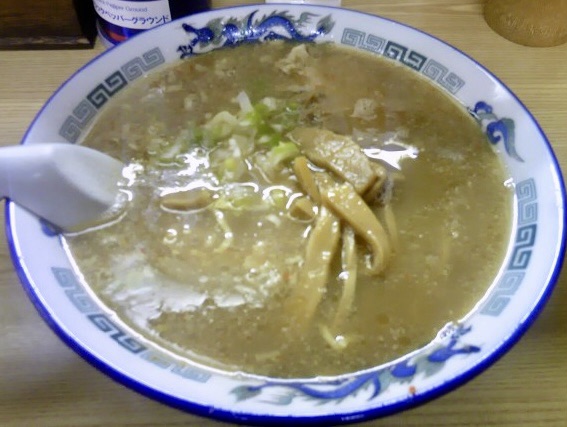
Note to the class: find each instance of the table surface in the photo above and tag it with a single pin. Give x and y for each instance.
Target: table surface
(43, 382)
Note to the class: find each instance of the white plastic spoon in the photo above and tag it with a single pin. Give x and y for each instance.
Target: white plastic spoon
(68, 185)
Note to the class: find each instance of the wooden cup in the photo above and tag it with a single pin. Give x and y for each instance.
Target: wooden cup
(537, 23)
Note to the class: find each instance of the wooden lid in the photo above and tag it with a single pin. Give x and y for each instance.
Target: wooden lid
(538, 23)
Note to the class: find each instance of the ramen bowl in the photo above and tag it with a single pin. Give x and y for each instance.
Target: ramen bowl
(460, 351)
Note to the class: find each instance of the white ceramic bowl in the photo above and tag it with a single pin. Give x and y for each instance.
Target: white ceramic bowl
(460, 352)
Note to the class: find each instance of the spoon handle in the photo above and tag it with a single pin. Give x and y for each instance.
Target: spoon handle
(22, 168)
(65, 184)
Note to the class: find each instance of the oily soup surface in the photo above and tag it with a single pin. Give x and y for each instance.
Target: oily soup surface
(217, 257)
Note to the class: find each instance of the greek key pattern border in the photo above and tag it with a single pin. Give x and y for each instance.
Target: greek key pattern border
(430, 68)
(524, 242)
(83, 114)
(85, 304)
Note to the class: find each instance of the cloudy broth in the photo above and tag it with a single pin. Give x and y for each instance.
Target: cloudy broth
(216, 257)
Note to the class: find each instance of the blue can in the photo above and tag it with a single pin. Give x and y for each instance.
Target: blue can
(119, 20)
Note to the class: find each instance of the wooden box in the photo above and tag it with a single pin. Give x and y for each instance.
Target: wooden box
(47, 24)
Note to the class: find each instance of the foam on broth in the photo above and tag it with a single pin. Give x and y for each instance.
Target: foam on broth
(212, 282)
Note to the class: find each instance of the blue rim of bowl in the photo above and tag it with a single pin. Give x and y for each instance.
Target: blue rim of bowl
(344, 418)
